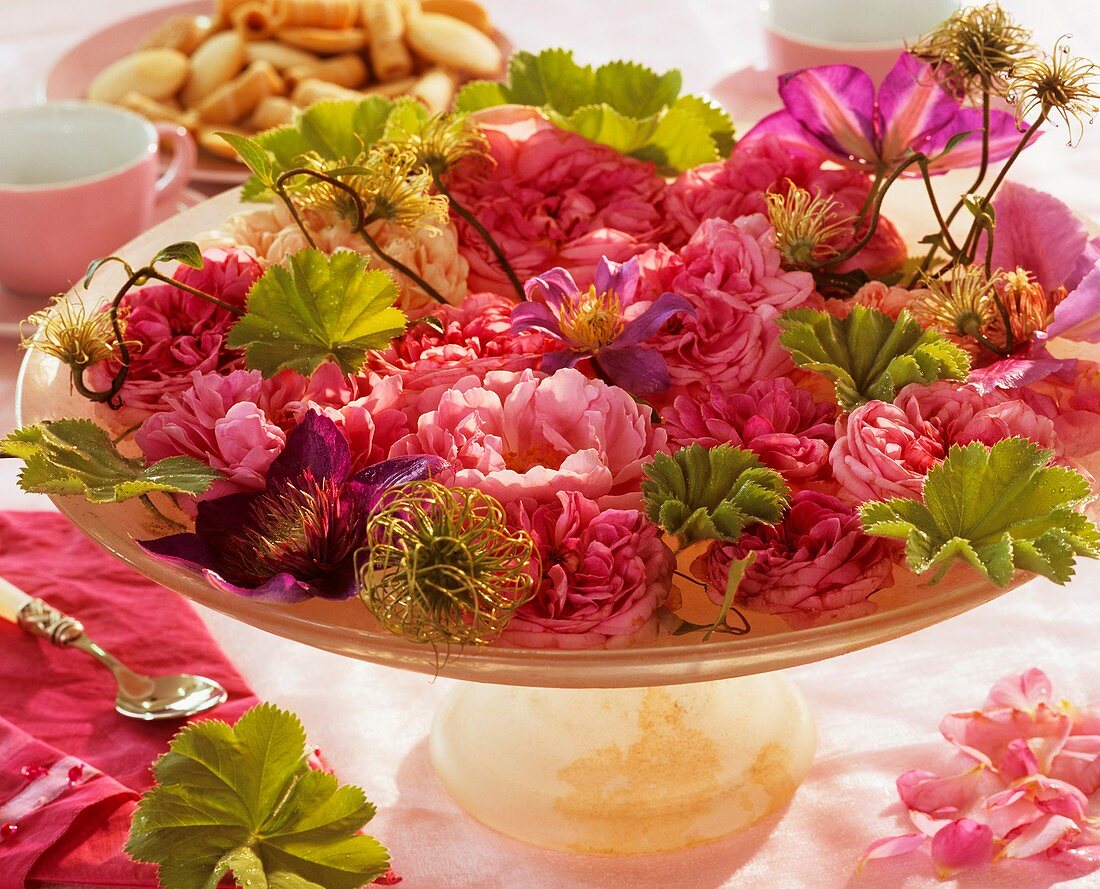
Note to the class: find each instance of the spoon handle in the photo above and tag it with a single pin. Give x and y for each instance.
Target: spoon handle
(41, 619)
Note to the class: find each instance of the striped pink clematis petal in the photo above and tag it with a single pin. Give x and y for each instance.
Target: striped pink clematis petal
(836, 104)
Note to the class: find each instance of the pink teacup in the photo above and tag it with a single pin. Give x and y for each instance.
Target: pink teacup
(77, 180)
(866, 33)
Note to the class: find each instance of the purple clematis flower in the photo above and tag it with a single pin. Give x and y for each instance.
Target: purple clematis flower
(594, 324)
(297, 538)
(833, 110)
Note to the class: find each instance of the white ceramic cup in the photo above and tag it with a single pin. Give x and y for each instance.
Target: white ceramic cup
(77, 180)
(867, 33)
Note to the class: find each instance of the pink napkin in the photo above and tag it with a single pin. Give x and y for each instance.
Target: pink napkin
(70, 767)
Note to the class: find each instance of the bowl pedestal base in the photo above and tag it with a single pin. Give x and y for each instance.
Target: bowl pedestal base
(624, 771)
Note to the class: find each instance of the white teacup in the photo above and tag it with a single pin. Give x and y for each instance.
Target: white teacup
(77, 180)
(866, 33)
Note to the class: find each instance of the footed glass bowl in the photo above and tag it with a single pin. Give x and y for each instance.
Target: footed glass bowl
(611, 746)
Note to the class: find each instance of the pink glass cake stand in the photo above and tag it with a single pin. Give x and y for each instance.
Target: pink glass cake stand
(622, 751)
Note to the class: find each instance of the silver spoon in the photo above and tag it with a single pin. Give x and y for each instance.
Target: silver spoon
(139, 696)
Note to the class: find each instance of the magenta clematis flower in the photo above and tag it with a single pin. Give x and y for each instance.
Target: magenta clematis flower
(833, 110)
(599, 324)
(298, 537)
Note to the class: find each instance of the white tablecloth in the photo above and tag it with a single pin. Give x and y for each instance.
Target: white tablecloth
(877, 710)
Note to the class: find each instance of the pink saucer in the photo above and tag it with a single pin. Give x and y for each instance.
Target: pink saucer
(15, 307)
(748, 94)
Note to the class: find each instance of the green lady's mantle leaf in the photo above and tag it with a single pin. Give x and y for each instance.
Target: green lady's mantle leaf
(321, 307)
(244, 800)
(868, 355)
(77, 457)
(335, 131)
(998, 508)
(621, 104)
(712, 493)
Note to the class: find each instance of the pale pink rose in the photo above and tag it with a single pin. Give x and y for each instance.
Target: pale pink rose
(605, 572)
(552, 198)
(875, 295)
(432, 253)
(527, 435)
(784, 425)
(886, 450)
(1074, 407)
(730, 273)
(172, 333)
(1024, 785)
(883, 451)
(220, 420)
(737, 187)
(477, 338)
(962, 415)
(818, 559)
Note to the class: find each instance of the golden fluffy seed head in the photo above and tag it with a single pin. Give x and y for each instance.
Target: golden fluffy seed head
(444, 566)
(805, 226)
(1059, 85)
(443, 142)
(960, 303)
(67, 331)
(974, 48)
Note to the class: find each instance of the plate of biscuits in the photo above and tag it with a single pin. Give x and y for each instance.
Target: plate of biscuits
(247, 65)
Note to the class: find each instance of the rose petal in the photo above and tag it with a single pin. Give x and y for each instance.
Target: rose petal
(1018, 761)
(891, 847)
(1015, 373)
(1039, 836)
(938, 797)
(1023, 691)
(961, 845)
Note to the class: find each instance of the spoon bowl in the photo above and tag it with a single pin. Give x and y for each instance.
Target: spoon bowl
(171, 697)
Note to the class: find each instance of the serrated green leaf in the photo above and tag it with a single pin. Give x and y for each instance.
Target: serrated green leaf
(622, 104)
(323, 307)
(634, 90)
(868, 355)
(999, 509)
(336, 131)
(243, 800)
(185, 252)
(717, 121)
(253, 155)
(702, 493)
(479, 94)
(679, 142)
(78, 457)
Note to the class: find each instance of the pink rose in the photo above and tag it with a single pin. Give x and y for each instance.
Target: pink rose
(476, 338)
(816, 560)
(432, 253)
(605, 572)
(730, 273)
(173, 333)
(737, 186)
(883, 451)
(372, 423)
(220, 420)
(784, 425)
(1074, 407)
(552, 198)
(527, 435)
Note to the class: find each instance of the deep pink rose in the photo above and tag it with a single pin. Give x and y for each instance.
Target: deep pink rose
(783, 424)
(604, 574)
(477, 338)
(730, 273)
(220, 420)
(173, 333)
(372, 423)
(552, 198)
(816, 560)
(527, 435)
(736, 187)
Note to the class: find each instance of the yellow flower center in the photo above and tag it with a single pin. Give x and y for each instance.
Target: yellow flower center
(592, 320)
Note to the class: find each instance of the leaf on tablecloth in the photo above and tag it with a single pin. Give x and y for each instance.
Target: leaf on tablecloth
(243, 800)
(997, 508)
(78, 457)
